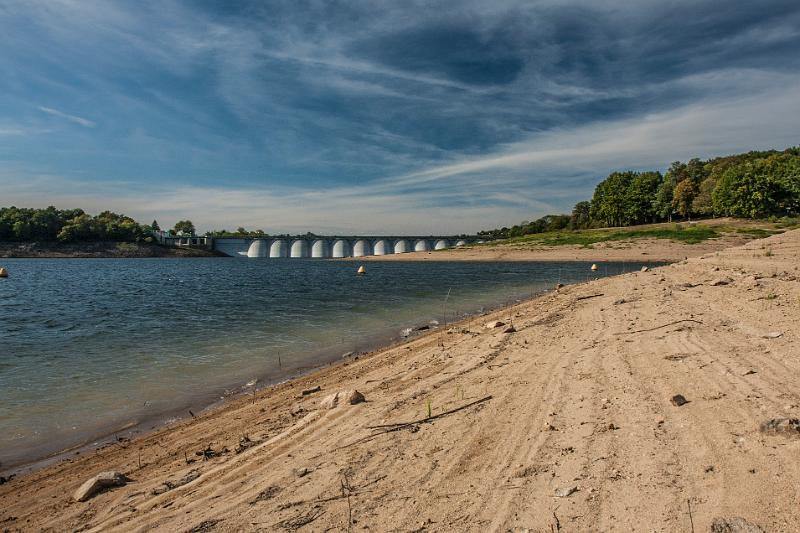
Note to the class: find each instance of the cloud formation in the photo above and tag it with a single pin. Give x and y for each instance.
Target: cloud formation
(86, 123)
(368, 116)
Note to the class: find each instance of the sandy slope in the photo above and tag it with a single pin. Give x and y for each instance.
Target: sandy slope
(579, 398)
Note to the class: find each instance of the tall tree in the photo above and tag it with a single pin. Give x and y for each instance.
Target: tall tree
(640, 197)
(683, 197)
(184, 226)
(580, 215)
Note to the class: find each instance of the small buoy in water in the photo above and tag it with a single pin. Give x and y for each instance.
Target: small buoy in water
(361, 270)
(3, 272)
(594, 267)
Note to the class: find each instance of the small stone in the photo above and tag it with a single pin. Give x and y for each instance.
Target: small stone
(302, 472)
(678, 400)
(720, 281)
(559, 285)
(494, 324)
(99, 482)
(354, 397)
(311, 390)
(645, 269)
(510, 329)
(347, 354)
(734, 525)
(564, 492)
(785, 426)
(773, 335)
(329, 402)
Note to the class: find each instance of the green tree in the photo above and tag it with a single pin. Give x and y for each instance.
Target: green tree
(184, 226)
(640, 197)
(703, 203)
(154, 226)
(580, 215)
(609, 204)
(683, 197)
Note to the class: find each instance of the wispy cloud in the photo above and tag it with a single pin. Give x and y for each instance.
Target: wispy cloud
(86, 123)
(547, 173)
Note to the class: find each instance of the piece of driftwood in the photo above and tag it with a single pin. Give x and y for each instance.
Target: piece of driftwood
(589, 296)
(429, 418)
(388, 428)
(659, 327)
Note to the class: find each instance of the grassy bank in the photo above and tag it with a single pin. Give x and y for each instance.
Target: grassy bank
(688, 233)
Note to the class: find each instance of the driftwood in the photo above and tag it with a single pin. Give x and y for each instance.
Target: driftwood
(659, 327)
(388, 428)
(429, 418)
(589, 296)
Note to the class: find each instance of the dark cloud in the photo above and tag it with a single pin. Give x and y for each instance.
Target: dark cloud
(457, 53)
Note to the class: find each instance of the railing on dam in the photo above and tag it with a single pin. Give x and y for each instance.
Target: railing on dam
(332, 247)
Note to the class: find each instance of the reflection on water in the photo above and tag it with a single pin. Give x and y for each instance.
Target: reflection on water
(91, 344)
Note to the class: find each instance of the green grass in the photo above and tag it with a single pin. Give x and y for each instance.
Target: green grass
(677, 232)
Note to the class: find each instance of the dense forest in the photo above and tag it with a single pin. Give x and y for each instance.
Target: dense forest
(751, 185)
(68, 225)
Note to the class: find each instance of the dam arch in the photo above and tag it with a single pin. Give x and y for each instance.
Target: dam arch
(381, 247)
(258, 248)
(320, 249)
(341, 248)
(299, 248)
(401, 247)
(421, 246)
(279, 249)
(361, 248)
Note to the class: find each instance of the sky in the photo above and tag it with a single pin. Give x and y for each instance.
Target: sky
(378, 117)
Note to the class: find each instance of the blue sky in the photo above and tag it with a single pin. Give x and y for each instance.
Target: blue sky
(378, 117)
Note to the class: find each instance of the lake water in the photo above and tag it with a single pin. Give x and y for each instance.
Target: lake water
(88, 346)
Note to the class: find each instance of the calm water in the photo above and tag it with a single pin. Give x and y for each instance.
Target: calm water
(89, 346)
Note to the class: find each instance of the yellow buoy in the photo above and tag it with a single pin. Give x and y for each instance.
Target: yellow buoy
(594, 268)
(361, 270)
(3, 272)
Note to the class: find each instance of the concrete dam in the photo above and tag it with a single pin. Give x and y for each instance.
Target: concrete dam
(331, 247)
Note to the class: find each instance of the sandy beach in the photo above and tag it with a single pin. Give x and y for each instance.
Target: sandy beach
(566, 421)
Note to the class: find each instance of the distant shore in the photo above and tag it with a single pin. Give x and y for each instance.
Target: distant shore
(571, 414)
(656, 250)
(96, 249)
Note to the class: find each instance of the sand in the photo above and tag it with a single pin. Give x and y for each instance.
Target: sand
(579, 404)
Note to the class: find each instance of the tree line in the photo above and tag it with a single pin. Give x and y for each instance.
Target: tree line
(22, 224)
(750, 185)
(68, 225)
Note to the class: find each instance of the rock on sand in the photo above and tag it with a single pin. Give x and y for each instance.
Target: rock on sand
(99, 482)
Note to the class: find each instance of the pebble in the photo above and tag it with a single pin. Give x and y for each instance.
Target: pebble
(678, 400)
(563, 492)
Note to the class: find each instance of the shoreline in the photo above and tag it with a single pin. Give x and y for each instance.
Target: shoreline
(580, 396)
(98, 250)
(234, 392)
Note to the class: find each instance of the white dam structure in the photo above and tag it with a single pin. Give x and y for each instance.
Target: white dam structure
(319, 247)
